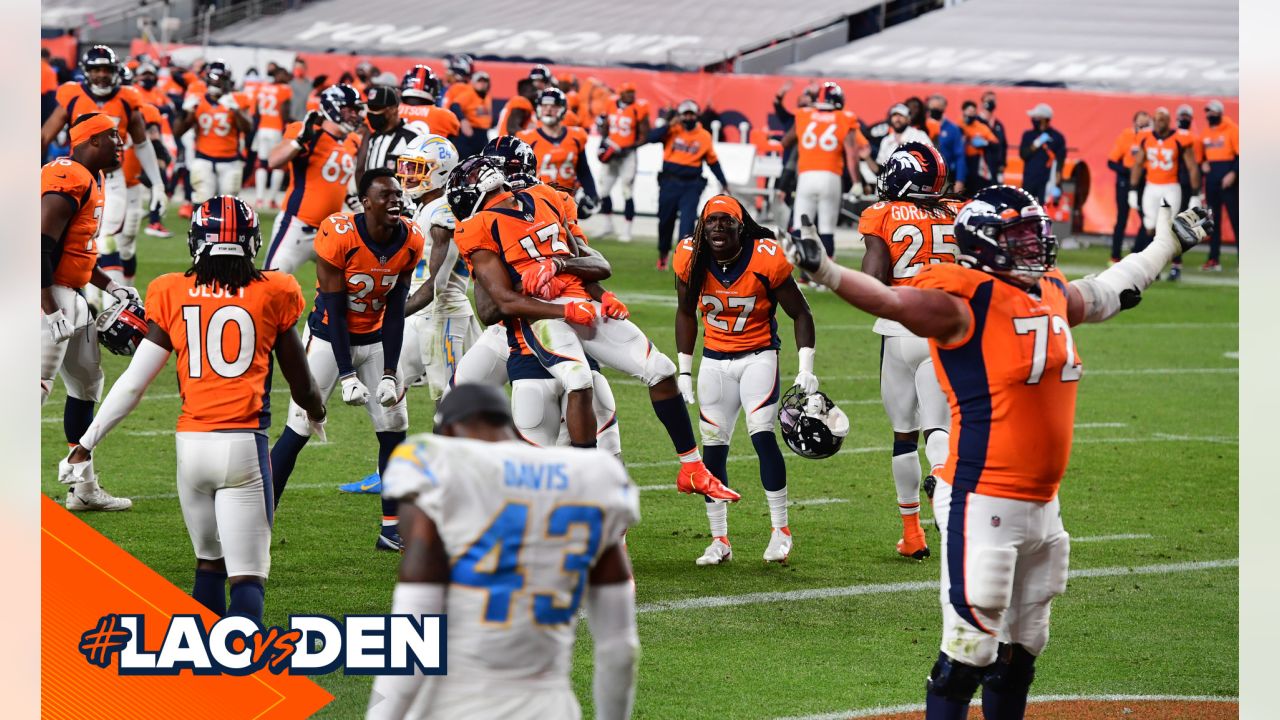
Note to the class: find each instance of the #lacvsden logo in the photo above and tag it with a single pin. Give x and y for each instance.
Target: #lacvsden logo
(312, 645)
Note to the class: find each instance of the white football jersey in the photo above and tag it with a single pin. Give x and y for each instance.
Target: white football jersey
(452, 298)
(522, 526)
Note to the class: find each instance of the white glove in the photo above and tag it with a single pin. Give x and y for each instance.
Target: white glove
(1195, 202)
(684, 381)
(388, 391)
(124, 293)
(317, 428)
(159, 201)
(228, 101)
(353, 391)
(807, 381)
(353, 203)
(190, 102)
(1133, 199)
(70, 473)
(59, 327)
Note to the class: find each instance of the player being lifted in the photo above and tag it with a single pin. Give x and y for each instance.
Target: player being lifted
(101, 92)
(71, 201)
(505, 235)
(559, 547)
(320, 152)
(733, 272)
(364, 263)
(224, 318)
(999, 328)
(908, 230)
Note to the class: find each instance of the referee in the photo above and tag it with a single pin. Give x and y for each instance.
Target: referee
(391, 134)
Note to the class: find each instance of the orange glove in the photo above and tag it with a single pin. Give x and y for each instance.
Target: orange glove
(611, 307)
(554, 288)
(535, 280)
(580, 312)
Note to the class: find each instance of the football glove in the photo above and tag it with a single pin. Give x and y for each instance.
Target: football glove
(536, 280)
(310, 127)
(1195, 202)
(317, 428)
(124, 293)
(807, 381)
(612, 308)
(587, 207)
(59, 327)
(805, 252)
(1191, 227)
(580, 312)
(388, 392)
(353, 391)
(159, 200)
(70, 473)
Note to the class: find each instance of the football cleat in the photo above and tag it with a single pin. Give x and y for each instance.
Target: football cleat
(717, 552)
(913, 544)
(157, 229)
(389, 539)
(1211, 266)
(97, 500)
(625, 237)
(779, 546)
(186, 210)
(662, 264)
(930, 483)
(1175, 274)
(694, 477)
(371, 483)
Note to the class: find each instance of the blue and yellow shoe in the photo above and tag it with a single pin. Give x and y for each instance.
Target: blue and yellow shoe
(389, 539)
(371, 484)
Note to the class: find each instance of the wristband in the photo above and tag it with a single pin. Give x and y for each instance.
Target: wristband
(685, 361)
(806, 360)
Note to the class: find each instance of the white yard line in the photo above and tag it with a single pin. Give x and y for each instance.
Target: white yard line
(1110, 538)
(1090, 425)
(819, 501)
(917, 708)
(760, 598)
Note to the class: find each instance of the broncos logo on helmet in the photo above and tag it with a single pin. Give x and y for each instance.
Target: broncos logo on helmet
(517, 160)
(420, 82)
(1004, 230)
(915, 171)
(471, 182)
(224, 225)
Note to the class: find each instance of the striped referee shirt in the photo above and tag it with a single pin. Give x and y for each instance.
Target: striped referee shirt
(385, 147)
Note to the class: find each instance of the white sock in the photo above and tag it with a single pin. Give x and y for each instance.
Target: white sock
(692, 456)
(277, 186)
(777, 507)
(906, 477)
(718, 516)
(936, 448)
(260, 183)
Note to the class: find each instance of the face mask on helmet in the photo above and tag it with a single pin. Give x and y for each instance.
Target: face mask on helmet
(550, 113)
(1031, 247)
(471, 182)
(812, 426)
(122, 328)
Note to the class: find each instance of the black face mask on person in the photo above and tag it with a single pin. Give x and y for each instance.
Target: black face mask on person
(689, 123)
(1214, 120)
(147, 83)
(378, 121)
(1184, 123)
(935, 113)
(990, 105)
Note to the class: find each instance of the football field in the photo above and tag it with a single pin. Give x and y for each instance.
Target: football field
(1150, 499)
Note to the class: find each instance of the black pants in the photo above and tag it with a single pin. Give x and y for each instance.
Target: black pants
(677, 196)
(1122, 219)
(1215, 198)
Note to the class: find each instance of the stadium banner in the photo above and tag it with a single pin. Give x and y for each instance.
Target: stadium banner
(63, 46)
(1090, 120)
(118, 641)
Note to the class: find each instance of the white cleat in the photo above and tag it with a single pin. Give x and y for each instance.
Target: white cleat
(99, 499)
(779, 546)
(626, 233)
(717, 552)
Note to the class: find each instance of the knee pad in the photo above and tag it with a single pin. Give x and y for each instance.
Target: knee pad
(531, 411)
(954, 680)
(1013, 671)
(657, 367)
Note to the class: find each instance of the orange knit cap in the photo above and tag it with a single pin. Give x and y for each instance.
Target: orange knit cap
(85, 129)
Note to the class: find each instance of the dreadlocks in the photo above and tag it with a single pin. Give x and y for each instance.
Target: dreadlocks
(701, 260)
(230, 273)
(943, 206)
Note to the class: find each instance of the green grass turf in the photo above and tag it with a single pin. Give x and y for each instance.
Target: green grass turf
(1170, 471)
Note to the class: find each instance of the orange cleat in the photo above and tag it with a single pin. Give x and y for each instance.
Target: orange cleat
(913, 543)
(186, 210)
(694, 477)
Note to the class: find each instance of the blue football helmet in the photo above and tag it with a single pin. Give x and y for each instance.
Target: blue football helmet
(471, 182)
(122, 327)
(518, 161)
(915, 171)
(1004, 230)
(224, 225)
(341, 104)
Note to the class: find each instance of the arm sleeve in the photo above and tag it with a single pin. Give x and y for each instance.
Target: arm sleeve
(393, 326)
(147, 362)
(335, 306)
(611, 613)
(48, 245)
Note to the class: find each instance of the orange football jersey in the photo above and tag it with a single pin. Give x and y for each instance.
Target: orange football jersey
(518, 102)
(371, 270)
(820, 135)
(915, 237)
(217, 135)
(77, 250)
(1011, 383)
(224, 342)
(151, 117)
(624, 122)
(477, 110)
(318, 176)
(557, 157)
(120, 105)
(1122, 150)
(1191, 138)
(270, 98)
(48, 77)
(737, 303)
(438, 120)
(1162, 155)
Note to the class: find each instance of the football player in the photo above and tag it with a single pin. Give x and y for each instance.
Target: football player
(320, 152)
(560, 150)
(507, 235)
(733, 272)
(518, 115)
(71, 202)
(621, 128)
(999, 327)
(908, 230)
(218, 117)
(224, 318)
(101, 92)
(556, 517)
(419, 91)
(147, 81)
(829, 138)
(1159, 152)
(364, 264)
(474, 112)
(273, 100)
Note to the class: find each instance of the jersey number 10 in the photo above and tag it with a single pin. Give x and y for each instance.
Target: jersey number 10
(211, 344)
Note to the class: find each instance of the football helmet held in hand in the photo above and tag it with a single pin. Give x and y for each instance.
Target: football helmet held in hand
(812, 426)
(122, 328)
